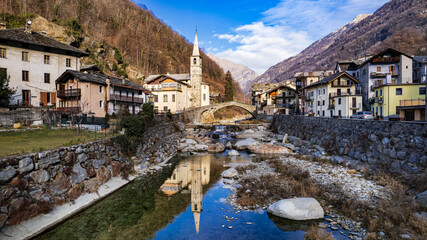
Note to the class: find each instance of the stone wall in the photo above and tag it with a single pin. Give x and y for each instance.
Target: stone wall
(28, 116)
(399, 147)
(32, 184)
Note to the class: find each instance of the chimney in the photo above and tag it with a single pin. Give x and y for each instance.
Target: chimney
(2, 25)
(28, 27)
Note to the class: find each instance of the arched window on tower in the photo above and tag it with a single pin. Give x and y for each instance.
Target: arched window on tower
(195, 61)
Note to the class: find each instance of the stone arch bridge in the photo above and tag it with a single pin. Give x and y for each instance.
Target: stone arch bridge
(195, 115)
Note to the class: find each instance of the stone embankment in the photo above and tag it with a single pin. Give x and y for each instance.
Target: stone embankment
(33, 184)
(399, 147)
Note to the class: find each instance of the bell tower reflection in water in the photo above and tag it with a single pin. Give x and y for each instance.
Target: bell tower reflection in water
(193, 173)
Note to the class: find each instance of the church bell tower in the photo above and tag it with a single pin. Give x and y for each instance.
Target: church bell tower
(196, 75)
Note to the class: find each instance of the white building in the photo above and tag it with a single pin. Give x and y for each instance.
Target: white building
(178, 92)
(420, 69)
(33, 62)
(334, 96)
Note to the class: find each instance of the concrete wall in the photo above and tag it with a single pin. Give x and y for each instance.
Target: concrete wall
(28, 116)
(399, 147)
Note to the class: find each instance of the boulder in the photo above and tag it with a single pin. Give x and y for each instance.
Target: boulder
(75, 192)
(216, 148)
(233, 153)
(229, 173)
(269, 149)
(52, 159)
(244, 144)
(285, 138)
(201, 148)
(252, 134)
(7, 174)
(229, 146)
(297, 209)
(117, 167)
(421, 199)
(26, 165)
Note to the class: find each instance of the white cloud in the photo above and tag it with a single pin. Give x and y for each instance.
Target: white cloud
(288, 28)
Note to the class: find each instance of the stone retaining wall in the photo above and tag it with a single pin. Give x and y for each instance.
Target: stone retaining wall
(31, 184)
(28, 116)
(397, 146)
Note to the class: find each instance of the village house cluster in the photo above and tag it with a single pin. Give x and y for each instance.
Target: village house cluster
(390, 85)
(47, 73)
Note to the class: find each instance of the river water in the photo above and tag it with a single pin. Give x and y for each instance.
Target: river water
(184, 201)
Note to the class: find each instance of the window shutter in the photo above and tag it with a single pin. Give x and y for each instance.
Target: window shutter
(43, 98)
(53, 97)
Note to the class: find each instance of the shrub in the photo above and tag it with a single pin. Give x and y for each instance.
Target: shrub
(134, 124)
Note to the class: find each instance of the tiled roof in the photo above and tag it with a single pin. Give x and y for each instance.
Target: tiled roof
(34, 39)
(97, 78)
(179, 77)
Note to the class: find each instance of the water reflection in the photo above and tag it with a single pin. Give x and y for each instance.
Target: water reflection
(192, 174)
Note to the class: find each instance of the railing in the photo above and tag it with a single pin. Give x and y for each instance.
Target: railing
(379, 74)
(309, 98)
(285, 105)
(331, 106)
(341, 85)
(335, 94)
(64, 93)
(386, 60)
(412, 102)
(126, 98)
(69, 109)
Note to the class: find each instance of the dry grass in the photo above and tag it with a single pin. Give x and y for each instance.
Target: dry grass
(316, 233)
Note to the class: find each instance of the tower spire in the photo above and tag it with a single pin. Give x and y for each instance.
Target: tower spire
(196, 46)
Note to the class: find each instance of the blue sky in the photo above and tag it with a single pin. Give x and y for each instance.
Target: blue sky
(257, 33)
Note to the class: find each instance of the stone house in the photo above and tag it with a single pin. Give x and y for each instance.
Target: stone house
(177, 92)
(96, 94)
(33, 61)
(387, 67)
(333, 96)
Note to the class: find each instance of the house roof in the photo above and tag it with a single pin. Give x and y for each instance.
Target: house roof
(281, 86)
(98, 78)
(421, 59)
(313, 73)
(17, 37)
(161, 78)
(383, 52)
(179, 77)
(90, 68)
(331, 78)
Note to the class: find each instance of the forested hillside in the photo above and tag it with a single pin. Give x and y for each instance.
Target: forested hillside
(117, 30)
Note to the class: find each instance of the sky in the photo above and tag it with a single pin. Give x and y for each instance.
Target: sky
(257, 33)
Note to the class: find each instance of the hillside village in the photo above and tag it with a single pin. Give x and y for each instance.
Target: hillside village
(389, 85)
(45, 73)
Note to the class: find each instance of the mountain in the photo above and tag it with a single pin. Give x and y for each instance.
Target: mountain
(398, 24)
(241, 74)
(123, 38)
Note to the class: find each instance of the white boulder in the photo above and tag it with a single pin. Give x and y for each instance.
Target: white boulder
(297, 209)
(245, 143)
(229, 173)
(233, 153)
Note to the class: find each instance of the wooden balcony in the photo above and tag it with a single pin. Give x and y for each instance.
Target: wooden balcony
(386, 60)
(67, 93)
(412, 102)
(115, 97)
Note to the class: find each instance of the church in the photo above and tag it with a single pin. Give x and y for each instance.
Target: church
(178, 92)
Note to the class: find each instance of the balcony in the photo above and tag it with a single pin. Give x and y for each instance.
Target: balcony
(379, 75)
(116, 97)
(386, 60)
(335, 94)
(309, 98)
(285, 105)
(67, 93)
(69, 109)
(331, 106)
(343, 84)
(412, 102)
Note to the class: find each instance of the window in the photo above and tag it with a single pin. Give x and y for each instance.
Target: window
(318, 91)
(379, 69)
(156, 98)
(323, 103)
(101, 104)
(47, 78)
(318, 103)
(195, 61)
(68, 62)
(318, 113)
(101, 89)
(381, 92)
(46, 59)
(204, 96)
(25, 56)
(2, 52)
(165, 108)
(422, 90)
(173, 97)
(339, 101)
(25, 76)
(48, 97)
(165, 98)
(339, 112)
(376, 93)
(323, 113)
(324, 91)
(398, 91)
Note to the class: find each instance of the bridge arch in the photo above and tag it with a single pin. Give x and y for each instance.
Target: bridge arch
(197, 113)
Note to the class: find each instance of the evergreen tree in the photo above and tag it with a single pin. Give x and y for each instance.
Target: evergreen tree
(5, 91)
(229, 89)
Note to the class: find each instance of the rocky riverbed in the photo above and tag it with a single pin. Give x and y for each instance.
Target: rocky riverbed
(275, 158)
